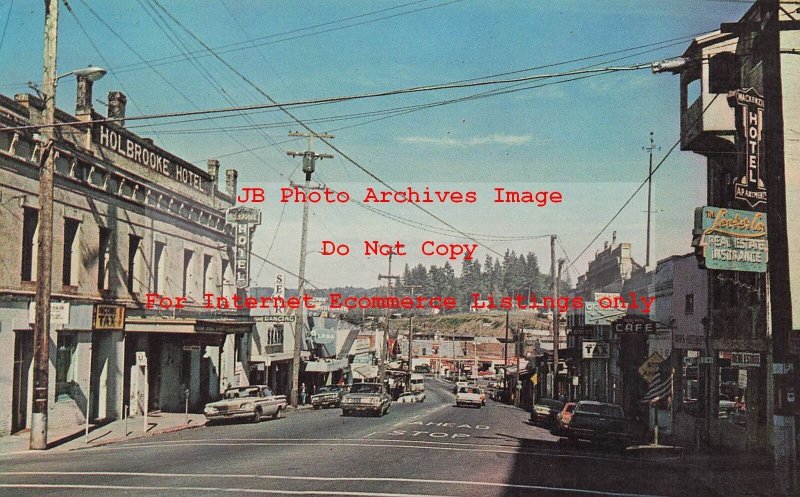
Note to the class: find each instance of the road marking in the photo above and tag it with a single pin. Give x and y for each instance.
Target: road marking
(287, 477)
(367, 436)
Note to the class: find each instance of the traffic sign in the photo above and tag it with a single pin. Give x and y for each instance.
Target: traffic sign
(649, 369)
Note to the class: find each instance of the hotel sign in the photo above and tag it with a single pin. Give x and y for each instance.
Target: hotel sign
(731, 240)
(748, 187)
(151, 157)
(244, 221)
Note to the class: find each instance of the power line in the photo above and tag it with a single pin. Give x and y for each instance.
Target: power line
(655, 169)
(5, 26)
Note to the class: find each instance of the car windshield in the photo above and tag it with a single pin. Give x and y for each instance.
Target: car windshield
(327, 390)
(366, 388)
(241, 392)
(552, 404)
(602, 409)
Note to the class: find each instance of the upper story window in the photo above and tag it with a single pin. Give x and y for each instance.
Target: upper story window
(186, 288)
(159, 267)
(103, 259)
(689, 303)
(208, 274)
(134, 263)
(71, 261)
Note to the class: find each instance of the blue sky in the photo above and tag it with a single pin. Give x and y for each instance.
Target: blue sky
(583, 138)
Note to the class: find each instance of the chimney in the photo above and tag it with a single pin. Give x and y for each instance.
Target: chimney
(605, 245)
(116, 106)
(213, 171)
(231, 175)
(614, 238)
(83, 99)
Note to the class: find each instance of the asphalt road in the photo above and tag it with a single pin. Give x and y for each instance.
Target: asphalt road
(421, 449)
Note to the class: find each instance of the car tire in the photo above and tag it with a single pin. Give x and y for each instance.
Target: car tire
(256, 415)
(277, 414)
(315, 407)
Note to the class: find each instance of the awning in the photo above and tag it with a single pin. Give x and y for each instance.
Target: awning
(326, 366)
(161, 325)
(270, 358)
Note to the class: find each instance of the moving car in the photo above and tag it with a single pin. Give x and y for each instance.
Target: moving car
(601, 422)
(253, 402)
(563, 418)
(459, 384)
(545, 411)
(407, 397)
(366, 397)
(329, 396)
(470, 396)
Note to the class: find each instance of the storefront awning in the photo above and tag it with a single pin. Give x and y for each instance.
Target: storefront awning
(326, 366)
(161, 325)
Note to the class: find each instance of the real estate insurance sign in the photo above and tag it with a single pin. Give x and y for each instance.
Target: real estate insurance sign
(731, 239)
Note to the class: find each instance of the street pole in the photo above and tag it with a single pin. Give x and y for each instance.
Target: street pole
(556, 330)
(779, 298)
(505, 360)
(554, 293)
(41, 329)
(384, 351)
(650, 149)
(309, 159)
(410, 338)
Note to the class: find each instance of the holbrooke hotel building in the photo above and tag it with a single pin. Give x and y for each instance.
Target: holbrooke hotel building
(129, 219)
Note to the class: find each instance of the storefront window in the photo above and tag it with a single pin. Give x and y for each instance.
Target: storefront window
(66, 362)
(690, 383)
(732, 392)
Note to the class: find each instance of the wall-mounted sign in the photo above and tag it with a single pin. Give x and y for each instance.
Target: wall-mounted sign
(634, 324)
(276, 318)
(649, 369)
(244, 221)
(59, 313)
(595, 350)
(731, 239)
(152, 157)
(108, 317)
(745, 359)
(141, 358)
(748, 187)
(596, 314)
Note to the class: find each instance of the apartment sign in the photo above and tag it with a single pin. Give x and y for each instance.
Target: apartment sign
(731, 239)
(244, 221)
(748, 186)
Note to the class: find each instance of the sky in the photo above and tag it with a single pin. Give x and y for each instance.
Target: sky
(583, 138)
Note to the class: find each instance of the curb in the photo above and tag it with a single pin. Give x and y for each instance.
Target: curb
(173, 429)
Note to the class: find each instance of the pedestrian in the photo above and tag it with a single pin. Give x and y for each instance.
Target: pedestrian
(302, 394)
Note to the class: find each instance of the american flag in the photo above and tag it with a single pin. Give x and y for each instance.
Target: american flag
(661, 386)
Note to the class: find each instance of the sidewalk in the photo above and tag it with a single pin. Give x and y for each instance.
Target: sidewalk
(74, 438)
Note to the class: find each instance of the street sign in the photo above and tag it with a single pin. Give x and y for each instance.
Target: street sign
(649, 369)
(595, 350)
(635, 324)
(745, 359)
(275, 319)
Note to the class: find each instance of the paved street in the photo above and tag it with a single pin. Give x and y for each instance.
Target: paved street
(430, 448)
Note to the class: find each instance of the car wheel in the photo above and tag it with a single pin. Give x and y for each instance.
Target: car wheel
(256, 415)
(277, 414)
(315, 407)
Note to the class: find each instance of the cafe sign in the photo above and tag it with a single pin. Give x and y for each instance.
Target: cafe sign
(108, 317)
(244, 221)
(748, 187)
(634, 324)
(731, 239)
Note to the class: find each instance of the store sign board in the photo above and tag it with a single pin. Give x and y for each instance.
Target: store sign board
(745, 359)
(59, 313)
(748, 186)
(595, 350)
(634, 324)
(108, 317)
(596, 314)
(731, 239)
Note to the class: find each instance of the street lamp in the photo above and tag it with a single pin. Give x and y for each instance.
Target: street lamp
(44, 276)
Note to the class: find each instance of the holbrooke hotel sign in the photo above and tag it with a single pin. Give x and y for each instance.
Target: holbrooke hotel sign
(730, 239)
(244, 221)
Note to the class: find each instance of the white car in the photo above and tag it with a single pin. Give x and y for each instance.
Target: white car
(406, 398)
(252, 402)
(470, 396)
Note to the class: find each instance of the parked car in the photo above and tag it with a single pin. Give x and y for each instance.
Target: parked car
(407, 397)
(329, 396)
(601, 422)
(545, 411)
(366, 397)
(470, 396)
(253, 402)
(563, 418)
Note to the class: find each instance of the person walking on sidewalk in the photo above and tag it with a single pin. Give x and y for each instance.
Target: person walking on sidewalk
(302, 394)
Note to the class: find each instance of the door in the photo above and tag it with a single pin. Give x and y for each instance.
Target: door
(23, 358)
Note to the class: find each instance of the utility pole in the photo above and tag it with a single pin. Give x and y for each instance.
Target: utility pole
(505, 360)
(384, 351)
(410, 338)
(309, 159)
(41, 328)
(649, 149)
(553, 292)
(556, 329)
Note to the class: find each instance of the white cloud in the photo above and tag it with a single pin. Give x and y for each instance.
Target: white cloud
(495, 139)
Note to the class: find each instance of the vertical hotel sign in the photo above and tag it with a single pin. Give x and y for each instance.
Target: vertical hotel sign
(748, 187)
(244, 221)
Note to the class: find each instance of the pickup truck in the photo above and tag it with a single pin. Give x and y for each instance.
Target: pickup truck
(252, 402)
(470, 396)
(603, 423)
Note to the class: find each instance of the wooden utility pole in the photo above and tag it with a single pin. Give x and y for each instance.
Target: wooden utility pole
(556, 329)
(309, 160)
(410, 338)
(384, 351)
(41, 329)
(554, 293)
(649, 149)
